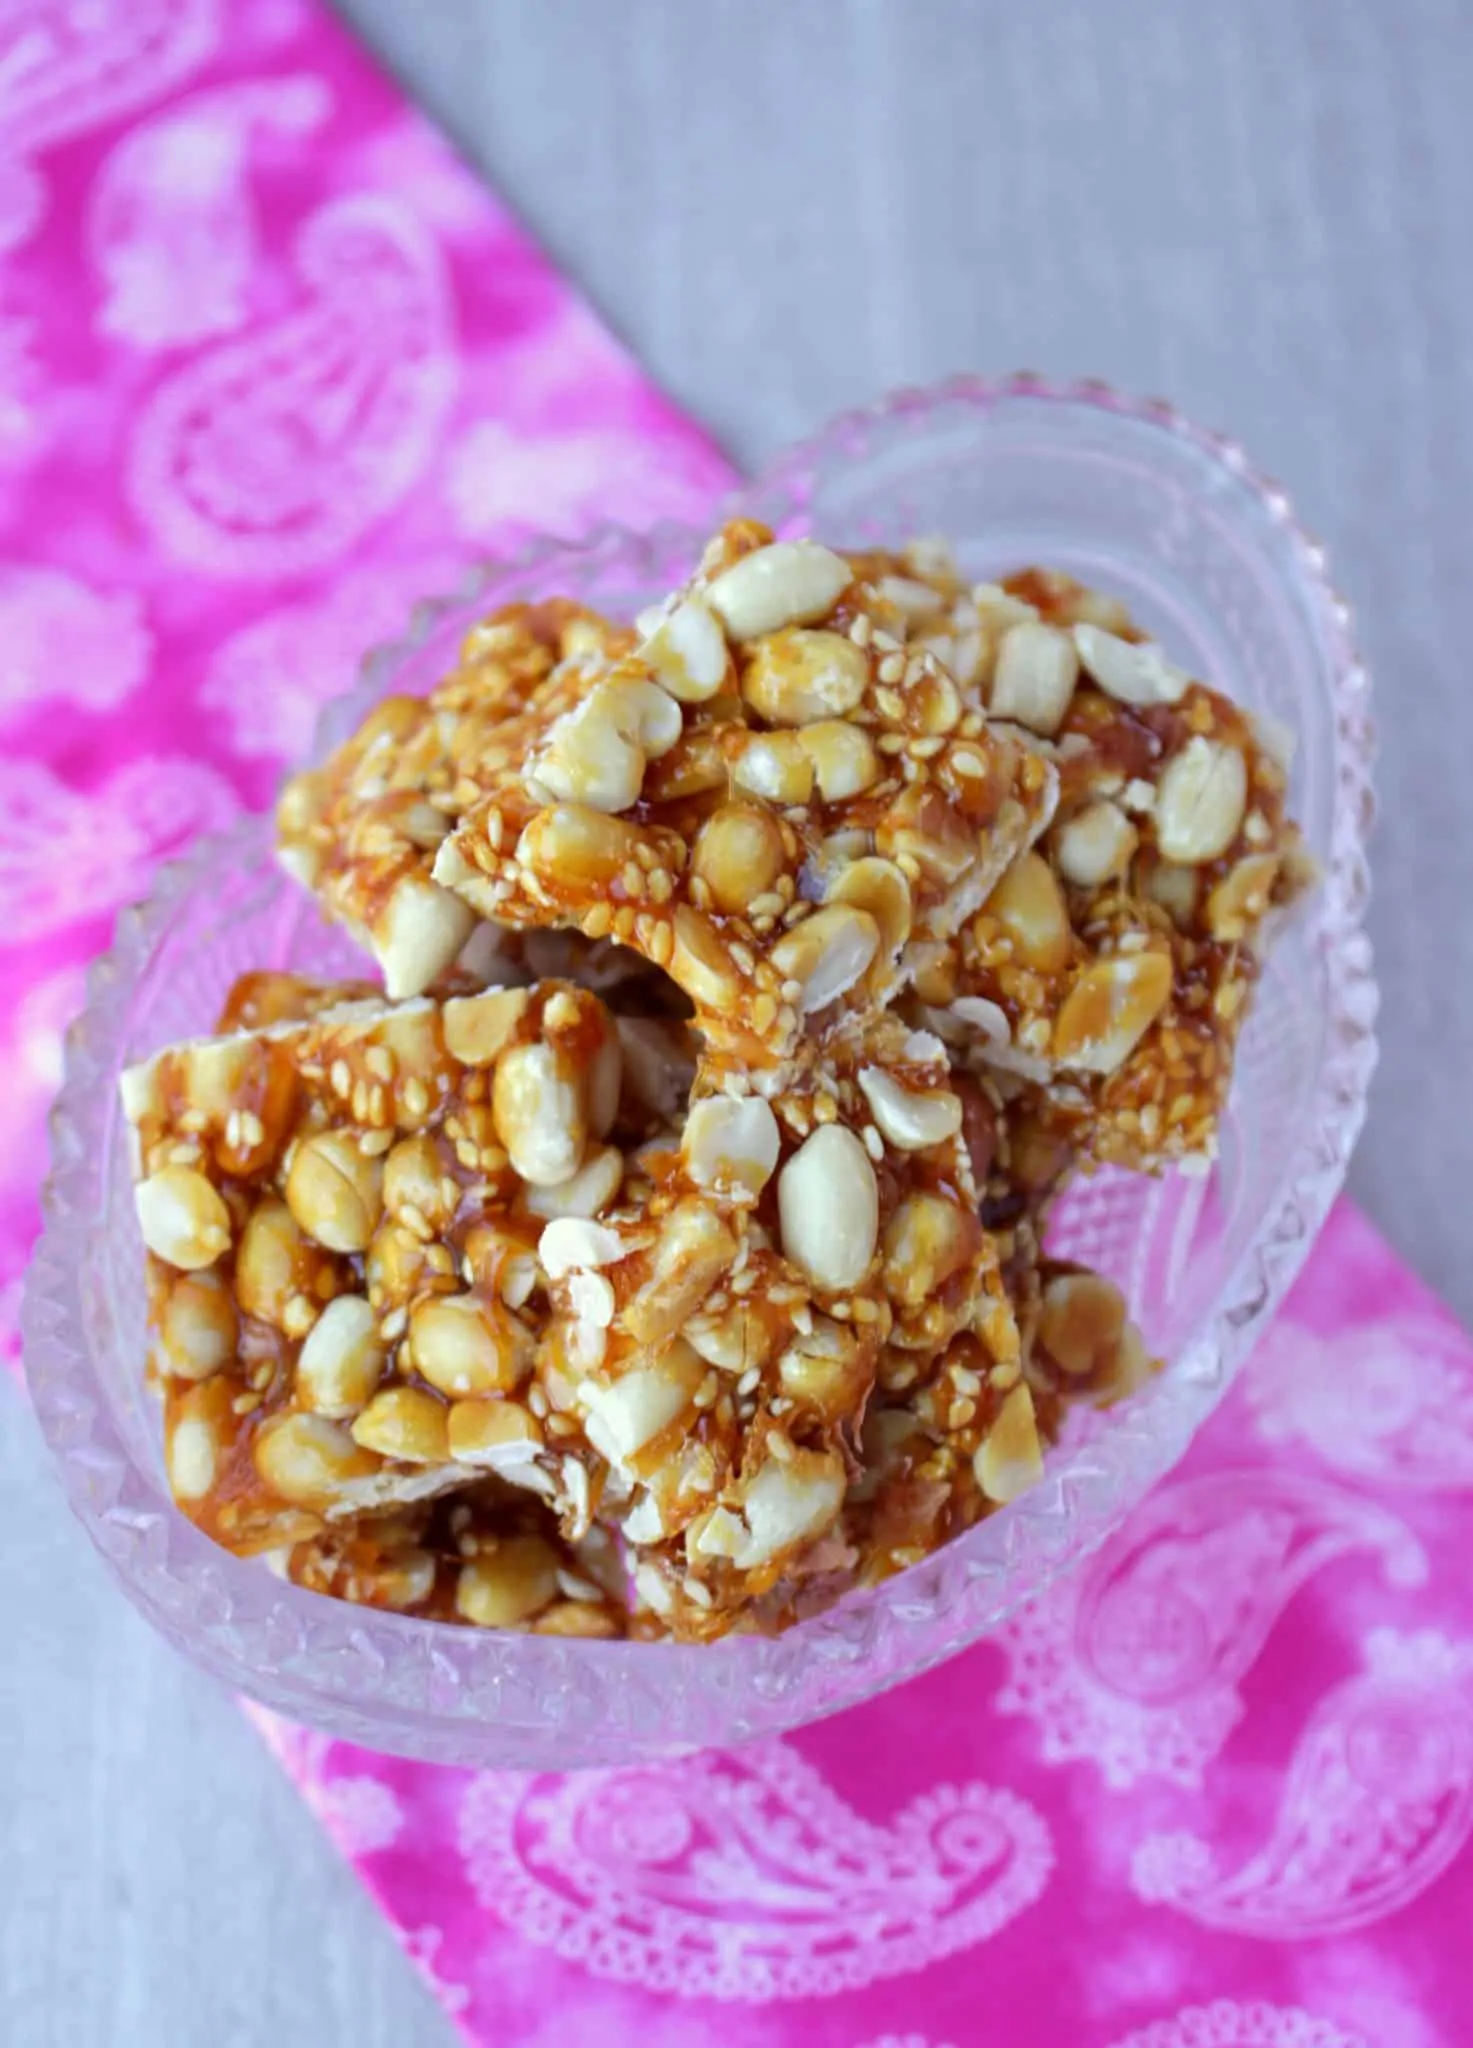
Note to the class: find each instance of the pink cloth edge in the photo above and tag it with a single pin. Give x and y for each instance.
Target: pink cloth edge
(1230, 1754)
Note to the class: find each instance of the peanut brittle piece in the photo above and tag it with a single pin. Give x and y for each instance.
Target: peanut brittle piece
(800, 1233)
(946, 1446)
(956, 1429)
(362, 830)
(1113, 964)
(341, 1217)
(767, 798)
(398, 1251)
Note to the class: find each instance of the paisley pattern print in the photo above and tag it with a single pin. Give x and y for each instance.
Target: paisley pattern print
(422, 1945)
(361, 1814)
(500, 479)
(68, 66)
(22, 199)
(1134, 1662)
(268, 373)
(171, 226)
(39, 1026)
(63, 642)
(269, 681)
(269, 455)
(65, 856)
(1377, 1802)
(1391, 1403)
(745, 1876)
(18, 381)
(1226, 2024)
(904, 2041)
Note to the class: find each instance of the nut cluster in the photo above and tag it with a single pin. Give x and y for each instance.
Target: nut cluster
(662, 1250)
(767, 797)
(457, 1248)
(1109, 972)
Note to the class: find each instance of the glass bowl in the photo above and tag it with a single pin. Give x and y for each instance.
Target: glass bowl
(1210, 559)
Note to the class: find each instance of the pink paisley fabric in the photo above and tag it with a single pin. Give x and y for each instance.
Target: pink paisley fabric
(271, 364)
(1215, 1791)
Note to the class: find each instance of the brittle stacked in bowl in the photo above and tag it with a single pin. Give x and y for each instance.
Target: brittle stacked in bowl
(662, 1251)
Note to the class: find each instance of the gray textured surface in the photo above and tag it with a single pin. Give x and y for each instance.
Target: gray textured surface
(1261, 209)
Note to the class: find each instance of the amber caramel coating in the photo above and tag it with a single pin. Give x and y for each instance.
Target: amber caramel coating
(341, 1215)
(395, 1250)
(362, 831)
(1111, 968)
(781, 819)
(694, 1271)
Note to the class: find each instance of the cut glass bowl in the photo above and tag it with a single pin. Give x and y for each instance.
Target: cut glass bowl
(1209, 558)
